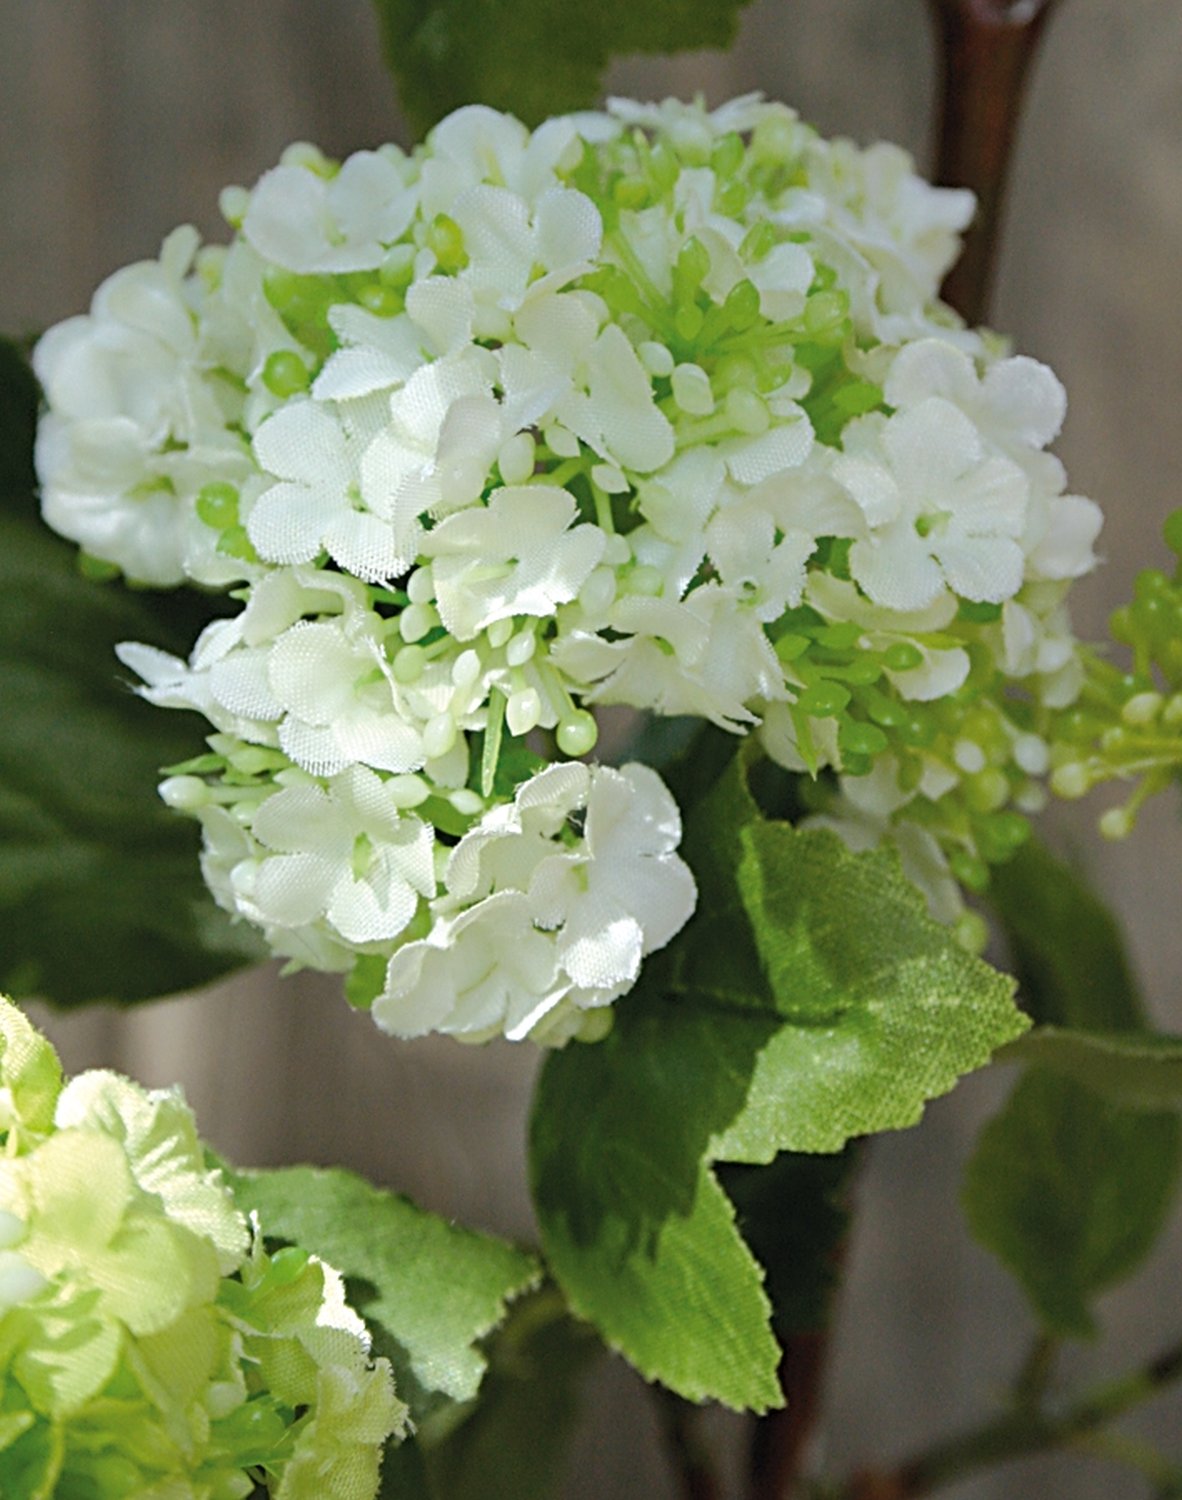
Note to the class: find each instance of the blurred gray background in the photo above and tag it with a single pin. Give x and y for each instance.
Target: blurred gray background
(122, 118)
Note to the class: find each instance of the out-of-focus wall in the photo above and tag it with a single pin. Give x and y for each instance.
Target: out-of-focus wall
(121, 118)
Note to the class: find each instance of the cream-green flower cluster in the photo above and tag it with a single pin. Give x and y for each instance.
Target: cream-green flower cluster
(654, 407)
(149, 1346)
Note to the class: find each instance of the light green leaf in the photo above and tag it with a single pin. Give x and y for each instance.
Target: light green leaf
(1070, 1191)
(812, 999)
(427, 1289)
(510, 1443)
(1066, 947)
(101, 897)
(533, 58)
(1139, 1069)
(31, 1072)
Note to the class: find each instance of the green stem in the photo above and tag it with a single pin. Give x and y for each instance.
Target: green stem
(1131, 1453)
(1018, 1433)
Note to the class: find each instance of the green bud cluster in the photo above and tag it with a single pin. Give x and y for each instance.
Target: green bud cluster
(1127, 724)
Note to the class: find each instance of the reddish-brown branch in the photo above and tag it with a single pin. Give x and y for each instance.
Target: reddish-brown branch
(985, 51)
(779, 1443)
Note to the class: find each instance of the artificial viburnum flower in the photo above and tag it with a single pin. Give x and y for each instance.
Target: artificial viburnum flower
(148, 1343)
(655, 407)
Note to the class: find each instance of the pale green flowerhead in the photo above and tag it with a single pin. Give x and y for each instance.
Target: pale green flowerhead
(149, 1347)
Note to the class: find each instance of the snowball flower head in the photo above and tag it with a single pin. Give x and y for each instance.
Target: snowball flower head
(656, 407)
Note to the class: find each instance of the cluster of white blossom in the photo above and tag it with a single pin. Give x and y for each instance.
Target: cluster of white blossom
(654, 407)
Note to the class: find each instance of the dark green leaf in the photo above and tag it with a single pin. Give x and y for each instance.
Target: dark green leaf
(510, 1443)
(1139, 1069)
(1066, 947)
(428, 1289)
(812, 999)
(533, 58)
(404, 1474)
(100, 892)
(1070, 1192)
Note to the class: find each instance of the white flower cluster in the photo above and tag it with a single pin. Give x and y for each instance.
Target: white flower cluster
(653, 407)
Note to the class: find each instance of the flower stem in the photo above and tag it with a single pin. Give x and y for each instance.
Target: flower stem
(986, 48)
(690, 1455)
(1017, 1433)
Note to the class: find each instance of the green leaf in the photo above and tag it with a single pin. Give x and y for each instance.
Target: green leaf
(1066, 946)
(533, 58)
(427, 1289)
(1140, 1069)
(1070, 1191)
(101, 896)
(812, 999)
(511, 1442)
(404, 1473)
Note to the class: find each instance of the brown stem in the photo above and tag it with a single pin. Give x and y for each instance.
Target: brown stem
(692, 1461)
(986, 48)
(779, 1442)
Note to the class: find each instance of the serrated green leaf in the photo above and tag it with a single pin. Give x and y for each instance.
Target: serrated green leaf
(812, 999)
(635, 1228)
(1066, 946)
(428, 1289)
(1070, 1191)
(509, 1444)
(1139, 1069)
(101, 897)
(533, 58)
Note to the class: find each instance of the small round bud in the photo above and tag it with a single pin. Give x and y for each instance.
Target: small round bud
(185, 793)
(598, 593)
(465, 669)
(499, 632)
(420, 586)
(381, 300)
(824, 699)
(1117, 823)
(1071, 780)
(467, 803)
(408, 664)
(969, 757)
(747, 411)
(902, 656)
(516, 458)
(609, 479)
(644, 580)
(285, 374)
(1031, 754)
(523, 711)
(971, 932)
(416, 621)
(655, 358)
(1142, 708)
(406, 791)
(217, 505)
(233, 202)
(691, 390)
(577, 734)
(439, 736)
(521, 648)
